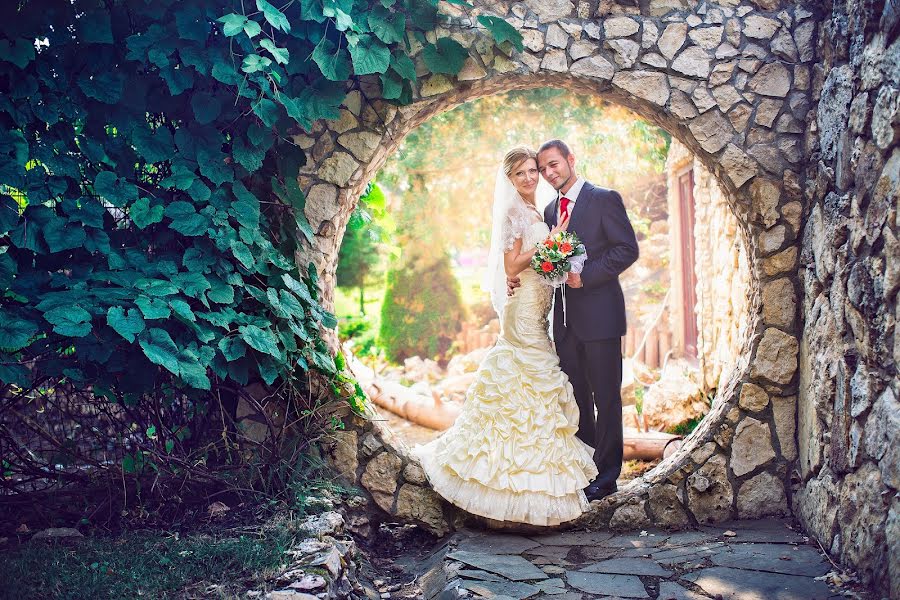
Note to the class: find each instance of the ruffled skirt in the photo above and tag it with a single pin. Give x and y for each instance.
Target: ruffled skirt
(512, 454)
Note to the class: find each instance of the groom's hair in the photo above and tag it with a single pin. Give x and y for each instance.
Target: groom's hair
(559, 145)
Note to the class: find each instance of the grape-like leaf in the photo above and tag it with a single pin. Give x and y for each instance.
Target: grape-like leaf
(15, 334)
(254, 62)
(370, 55)
(143, 214)
(281, 55)
(71, 321)
(206, 107)
(388, 27)
(232, 24)
(160, 349)
(128, 325)
(404, 66)
(446, 56)
(260, 339)
(333, 63)
(274, 16)
(114, 190)
(502, 31)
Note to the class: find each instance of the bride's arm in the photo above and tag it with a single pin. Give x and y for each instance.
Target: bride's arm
(515, 261)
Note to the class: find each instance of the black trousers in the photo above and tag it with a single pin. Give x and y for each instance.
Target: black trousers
(595, 371)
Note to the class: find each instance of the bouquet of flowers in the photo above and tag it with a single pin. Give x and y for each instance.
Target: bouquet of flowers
(557, 256)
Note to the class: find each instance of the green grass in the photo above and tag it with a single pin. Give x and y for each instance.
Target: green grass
(143, 565)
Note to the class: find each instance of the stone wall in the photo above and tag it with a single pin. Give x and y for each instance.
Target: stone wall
(722, 271)
(369, 455)
(849, 414)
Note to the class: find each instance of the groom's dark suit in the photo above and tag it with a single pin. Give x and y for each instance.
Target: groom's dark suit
(590, 347)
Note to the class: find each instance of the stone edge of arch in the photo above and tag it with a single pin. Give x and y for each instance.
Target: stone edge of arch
(738, 462)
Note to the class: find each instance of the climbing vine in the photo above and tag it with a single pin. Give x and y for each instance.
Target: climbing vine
(149, 205)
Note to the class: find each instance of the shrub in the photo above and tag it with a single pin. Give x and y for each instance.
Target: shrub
(422, 309)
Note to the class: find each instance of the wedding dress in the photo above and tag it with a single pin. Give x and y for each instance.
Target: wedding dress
(512, 454)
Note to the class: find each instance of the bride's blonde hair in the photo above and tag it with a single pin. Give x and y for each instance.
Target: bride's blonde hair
(517, 156)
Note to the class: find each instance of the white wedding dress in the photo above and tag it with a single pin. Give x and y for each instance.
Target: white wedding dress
(512, 454)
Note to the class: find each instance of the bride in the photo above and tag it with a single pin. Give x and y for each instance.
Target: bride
(512, 454)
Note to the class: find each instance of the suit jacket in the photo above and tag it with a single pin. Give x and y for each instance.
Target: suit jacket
(597, 310)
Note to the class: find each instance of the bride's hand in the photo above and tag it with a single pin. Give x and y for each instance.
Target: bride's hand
(562, 226)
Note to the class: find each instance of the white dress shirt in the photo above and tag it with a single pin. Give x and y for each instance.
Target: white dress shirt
(572, 195)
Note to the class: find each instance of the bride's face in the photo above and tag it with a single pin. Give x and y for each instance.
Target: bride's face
(524, 177)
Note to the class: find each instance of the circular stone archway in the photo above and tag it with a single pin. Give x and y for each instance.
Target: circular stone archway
(731, 83)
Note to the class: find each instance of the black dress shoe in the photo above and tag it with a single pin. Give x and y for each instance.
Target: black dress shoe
(595, 492)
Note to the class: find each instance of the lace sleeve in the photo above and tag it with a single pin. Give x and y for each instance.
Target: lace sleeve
(517, 221)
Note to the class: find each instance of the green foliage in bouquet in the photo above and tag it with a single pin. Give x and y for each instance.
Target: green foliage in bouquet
(422, 310)
(552, 259)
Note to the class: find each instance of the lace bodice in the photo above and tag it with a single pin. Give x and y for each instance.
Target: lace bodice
(536, 232)
(521, 223)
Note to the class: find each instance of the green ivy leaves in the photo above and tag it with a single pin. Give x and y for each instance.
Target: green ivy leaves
(115, 190)
(446, 56)
(19, 51)
(15, 333)
(185, 218)
(70, 321)
(333, 62)
(502, 31)
(388, 27)
(281, 55)
(128, 325)
(153, 242)
(274, 16)
(369, 55)
(234, 24)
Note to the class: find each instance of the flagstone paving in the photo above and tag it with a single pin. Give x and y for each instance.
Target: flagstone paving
(748, 560)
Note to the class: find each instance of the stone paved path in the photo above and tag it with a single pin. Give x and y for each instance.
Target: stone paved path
(749, 560)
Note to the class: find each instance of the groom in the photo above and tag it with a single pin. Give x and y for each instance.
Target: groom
(590, 345)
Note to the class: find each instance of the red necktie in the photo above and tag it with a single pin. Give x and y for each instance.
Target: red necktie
(563, 208)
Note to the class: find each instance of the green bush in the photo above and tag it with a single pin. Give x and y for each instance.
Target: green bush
(422, 310)
(361, 330)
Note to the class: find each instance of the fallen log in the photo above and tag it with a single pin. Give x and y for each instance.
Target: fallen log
(650, 445)
(428, 411)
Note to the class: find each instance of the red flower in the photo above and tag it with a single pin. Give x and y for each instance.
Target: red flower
(548, 243)
(565, 247)
(546, 266)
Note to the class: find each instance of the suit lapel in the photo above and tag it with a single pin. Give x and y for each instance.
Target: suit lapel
(579, 202)
(554, 217)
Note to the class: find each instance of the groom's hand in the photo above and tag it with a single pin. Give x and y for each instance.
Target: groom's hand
(574, 280)
(511, 284)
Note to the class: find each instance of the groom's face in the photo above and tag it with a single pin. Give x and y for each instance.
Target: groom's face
(558, 170)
